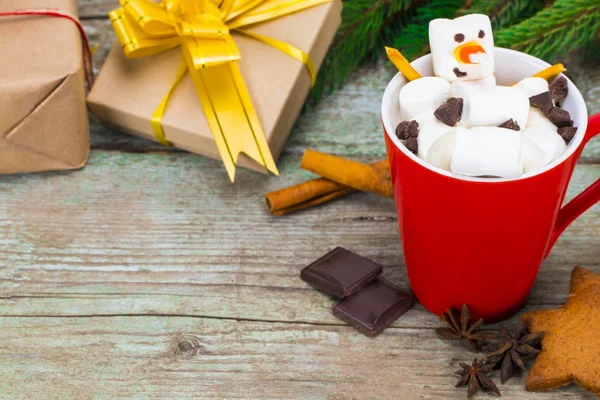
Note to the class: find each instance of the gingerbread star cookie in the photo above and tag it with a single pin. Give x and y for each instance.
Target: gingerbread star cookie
(571, 343)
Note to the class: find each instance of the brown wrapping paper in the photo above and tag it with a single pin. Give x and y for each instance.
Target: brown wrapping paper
(43, 117)
(127, 91)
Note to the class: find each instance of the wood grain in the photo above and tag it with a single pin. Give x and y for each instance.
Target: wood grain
(161, 234)
(90, 9)
(193, 358)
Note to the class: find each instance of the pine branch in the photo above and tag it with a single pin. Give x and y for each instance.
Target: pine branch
(591, 50)
(504, 13)
(358, 37)
(554, 31)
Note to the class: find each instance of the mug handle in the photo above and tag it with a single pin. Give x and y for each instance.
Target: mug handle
(585, 199)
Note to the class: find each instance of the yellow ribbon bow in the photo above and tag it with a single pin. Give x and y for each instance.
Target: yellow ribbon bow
(203, 30)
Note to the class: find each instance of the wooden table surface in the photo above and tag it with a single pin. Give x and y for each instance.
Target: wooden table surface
(147, 275)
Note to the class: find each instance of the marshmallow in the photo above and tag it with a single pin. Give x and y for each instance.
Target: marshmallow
(548, 140)
(487, 151)
(440, 152)
(536, 118)
(457, 88)
(491, 106)
(533, 157)
(422, 94)
(533, 86)
(430, 129)
(462, 48)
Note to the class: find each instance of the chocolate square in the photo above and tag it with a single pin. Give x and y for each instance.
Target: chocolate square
(374, 308)
(340, 272)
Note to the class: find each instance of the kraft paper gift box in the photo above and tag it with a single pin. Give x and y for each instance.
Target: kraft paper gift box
(128, 91)
(43, 115)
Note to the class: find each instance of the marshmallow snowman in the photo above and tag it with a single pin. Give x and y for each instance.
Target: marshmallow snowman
(462, 48)
(481, 143)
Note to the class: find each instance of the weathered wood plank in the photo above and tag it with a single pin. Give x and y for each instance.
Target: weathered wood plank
(346, 123)
(161, 234)
(96, 8)
(191, 358)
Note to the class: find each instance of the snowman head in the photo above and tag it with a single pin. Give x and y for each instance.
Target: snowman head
(462, 48)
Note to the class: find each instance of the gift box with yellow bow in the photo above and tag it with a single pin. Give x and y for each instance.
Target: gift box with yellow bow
(222, 78)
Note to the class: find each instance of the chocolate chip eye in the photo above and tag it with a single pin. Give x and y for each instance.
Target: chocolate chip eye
(481, 34)
(459, 37)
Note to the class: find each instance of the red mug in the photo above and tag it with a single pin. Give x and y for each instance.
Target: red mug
(480, 241)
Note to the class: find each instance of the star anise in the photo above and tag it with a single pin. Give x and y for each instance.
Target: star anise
(474, 375)
(462, 330)
(515, 344)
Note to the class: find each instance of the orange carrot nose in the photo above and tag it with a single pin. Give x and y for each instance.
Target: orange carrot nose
(464, 51)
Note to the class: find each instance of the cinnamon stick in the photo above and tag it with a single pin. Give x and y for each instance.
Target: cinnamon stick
(310, 193)
(304, 195)
(364, 177)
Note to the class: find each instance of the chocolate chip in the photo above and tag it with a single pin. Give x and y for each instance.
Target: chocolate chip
(559, 88)
(559, 117)
(401, 130)
(543, 101)
(459, 73)
(449, 112)
(407, 129)
(481, 34)
(412, 144)
(567, 133)
(459, 37)
(510, 124)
